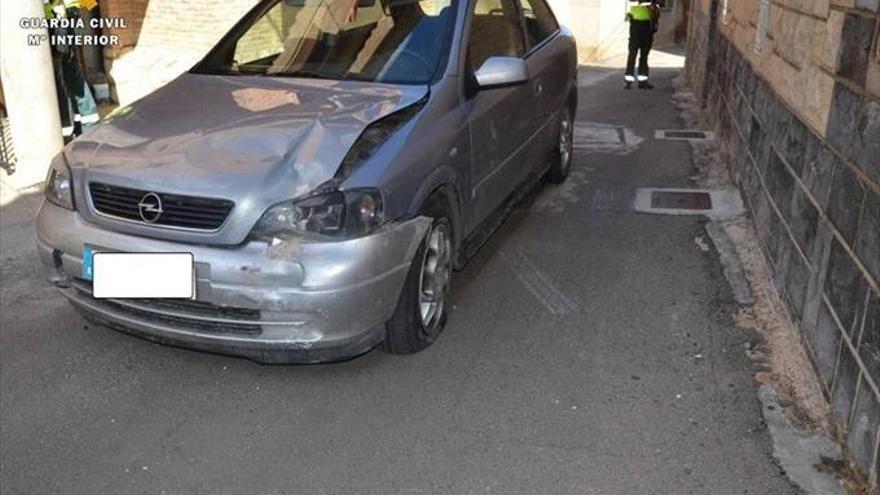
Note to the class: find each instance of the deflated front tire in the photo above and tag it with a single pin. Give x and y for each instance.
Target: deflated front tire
(421, 312)
(562, 152)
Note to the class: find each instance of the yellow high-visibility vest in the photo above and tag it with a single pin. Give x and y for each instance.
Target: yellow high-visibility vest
(81, 4)
(68, 4)
(641, 13)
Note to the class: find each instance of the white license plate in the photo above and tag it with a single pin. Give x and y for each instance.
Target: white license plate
(143, 275)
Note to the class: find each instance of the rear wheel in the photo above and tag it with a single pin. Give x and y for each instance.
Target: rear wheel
(563, 150)
(421, 312)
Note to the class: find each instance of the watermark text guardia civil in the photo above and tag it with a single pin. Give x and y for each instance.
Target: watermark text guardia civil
(67, 32)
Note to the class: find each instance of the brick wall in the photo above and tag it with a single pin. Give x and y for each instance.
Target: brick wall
(163, 39)
(133, 11)
(796, 98)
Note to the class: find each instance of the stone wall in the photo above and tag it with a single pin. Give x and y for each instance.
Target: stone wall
(133, 11)
(796, 100)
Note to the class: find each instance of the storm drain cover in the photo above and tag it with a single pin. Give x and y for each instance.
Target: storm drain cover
(687, 135)
(680, 200)
(721, 204)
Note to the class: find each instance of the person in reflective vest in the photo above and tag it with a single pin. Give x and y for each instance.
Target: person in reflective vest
(75, 100)
(643, 20)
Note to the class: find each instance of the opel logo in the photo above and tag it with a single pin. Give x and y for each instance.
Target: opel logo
(150, 207)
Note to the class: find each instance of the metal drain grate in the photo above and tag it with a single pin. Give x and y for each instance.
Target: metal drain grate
(7, 153)
(680, 200)
(713, 203)
(685, 135)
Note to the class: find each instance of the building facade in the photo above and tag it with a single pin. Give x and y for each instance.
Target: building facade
(794, 88)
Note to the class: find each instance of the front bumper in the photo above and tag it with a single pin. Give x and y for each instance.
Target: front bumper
(289, 301)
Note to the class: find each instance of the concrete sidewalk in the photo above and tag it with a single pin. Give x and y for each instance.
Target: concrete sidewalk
(591, 351)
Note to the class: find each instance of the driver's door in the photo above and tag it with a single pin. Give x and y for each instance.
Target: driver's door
(499, 120)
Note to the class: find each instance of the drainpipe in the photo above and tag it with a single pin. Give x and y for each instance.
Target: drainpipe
(712, 55)
(26, 72)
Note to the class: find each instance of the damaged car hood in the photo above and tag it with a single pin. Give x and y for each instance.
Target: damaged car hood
(253, 140)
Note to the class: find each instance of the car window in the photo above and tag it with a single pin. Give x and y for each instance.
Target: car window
(540, 23)
(397, 41)
(495, 32)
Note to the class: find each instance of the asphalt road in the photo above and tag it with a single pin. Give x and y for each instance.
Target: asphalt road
(590, 351)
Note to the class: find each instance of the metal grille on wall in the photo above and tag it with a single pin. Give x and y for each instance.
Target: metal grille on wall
(7, 154)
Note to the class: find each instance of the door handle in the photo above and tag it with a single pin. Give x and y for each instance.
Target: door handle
(538, 86)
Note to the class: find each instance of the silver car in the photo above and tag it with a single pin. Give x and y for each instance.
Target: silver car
(328, 164)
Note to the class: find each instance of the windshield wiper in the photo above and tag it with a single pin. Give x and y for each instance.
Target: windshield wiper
(351, 76)
(301, 73)
(321, 75)
(213, 71)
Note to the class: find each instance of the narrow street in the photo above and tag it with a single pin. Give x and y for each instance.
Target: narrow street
(591, 350)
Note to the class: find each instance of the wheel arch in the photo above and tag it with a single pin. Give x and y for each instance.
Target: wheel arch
(442, 186)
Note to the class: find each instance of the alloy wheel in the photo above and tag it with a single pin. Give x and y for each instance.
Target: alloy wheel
(435, 275)
(566, 138)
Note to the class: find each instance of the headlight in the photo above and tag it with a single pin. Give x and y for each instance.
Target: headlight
(337, 214)
(59, 185)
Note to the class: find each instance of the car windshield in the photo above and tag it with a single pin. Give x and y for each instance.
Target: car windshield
(394, 41)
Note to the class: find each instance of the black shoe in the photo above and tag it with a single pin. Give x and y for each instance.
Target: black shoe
(645, 85)
(628, 85)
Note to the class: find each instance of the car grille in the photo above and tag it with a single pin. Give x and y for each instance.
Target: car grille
(178, 211)
(182, 313)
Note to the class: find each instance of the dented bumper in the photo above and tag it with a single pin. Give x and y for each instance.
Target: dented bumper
(289, 301)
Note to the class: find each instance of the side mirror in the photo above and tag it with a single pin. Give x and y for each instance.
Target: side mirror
(499, 72)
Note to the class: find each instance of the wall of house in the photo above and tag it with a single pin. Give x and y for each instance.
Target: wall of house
(794, 87)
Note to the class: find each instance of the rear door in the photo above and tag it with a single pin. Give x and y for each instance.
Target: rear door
(500, 124)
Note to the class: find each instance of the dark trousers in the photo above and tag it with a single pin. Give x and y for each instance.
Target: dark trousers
(75, 100)
(641, 37)
(76, 103)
